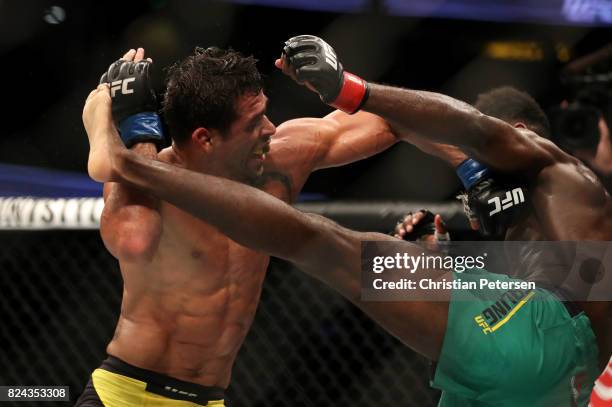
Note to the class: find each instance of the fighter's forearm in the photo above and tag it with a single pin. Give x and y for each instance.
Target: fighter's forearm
(121, 194)
(130, 224)
(238, 210)
(446, 152)
(433, 116)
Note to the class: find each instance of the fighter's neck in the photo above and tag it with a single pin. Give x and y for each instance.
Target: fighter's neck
(174, 156)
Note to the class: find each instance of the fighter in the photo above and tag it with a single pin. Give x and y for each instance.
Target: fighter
(508, 133)
(190, 291)
(442, 328)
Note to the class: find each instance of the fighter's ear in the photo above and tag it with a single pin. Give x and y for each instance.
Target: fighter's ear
(203, 138)
(520, 125)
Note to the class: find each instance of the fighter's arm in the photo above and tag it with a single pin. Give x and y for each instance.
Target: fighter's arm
(450, 154)
(578, 194)
(436, 117)
(304, 145)
(442, 119)
(130, 224)
(342, 139)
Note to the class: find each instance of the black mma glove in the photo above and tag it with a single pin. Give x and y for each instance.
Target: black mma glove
(134, 102)
(496, 206)
(424, 228)
(314, 61)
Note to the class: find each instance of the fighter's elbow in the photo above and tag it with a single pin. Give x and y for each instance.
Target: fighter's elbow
(132, 242)
(135, 249)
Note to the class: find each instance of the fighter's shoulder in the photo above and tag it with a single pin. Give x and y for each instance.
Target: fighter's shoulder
(295, 130)
(169, 156)
(556, 154)
(576, 180)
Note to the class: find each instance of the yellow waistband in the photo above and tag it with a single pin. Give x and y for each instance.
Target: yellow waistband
(116, 390)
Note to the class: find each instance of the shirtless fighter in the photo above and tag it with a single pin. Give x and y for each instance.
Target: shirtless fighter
(442, 329)
(190, 292)
(508, 134)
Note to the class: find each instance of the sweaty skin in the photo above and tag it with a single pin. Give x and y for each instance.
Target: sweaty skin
(569, 201)
(331, 253)
(315, 244)
(190, 291)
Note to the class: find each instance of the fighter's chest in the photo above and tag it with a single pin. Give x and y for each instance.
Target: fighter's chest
(203, 245)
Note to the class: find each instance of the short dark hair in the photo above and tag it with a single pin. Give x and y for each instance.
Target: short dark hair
(512, 105)
(202, 89)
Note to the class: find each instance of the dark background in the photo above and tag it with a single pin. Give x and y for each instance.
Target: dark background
(48, 69)
(60, 291)
(61, 295)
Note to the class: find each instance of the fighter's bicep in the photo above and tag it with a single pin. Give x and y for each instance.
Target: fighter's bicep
(348, 138)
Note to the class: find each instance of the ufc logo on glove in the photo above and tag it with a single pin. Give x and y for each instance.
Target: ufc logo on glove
(330, 56)
(512, 198)
(123, 85)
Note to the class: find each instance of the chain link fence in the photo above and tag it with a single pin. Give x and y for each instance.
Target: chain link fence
(60, 294)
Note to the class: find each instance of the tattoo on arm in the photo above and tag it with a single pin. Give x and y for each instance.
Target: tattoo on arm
(275, 176)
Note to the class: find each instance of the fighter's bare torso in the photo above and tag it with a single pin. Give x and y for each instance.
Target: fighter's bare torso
(568, 202)
(187, 311)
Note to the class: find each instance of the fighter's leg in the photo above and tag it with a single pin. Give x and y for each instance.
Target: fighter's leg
(419, 324)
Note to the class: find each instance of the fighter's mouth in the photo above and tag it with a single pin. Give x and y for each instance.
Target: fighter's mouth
(261, 151)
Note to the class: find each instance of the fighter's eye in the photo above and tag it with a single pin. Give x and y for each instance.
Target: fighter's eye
(254, 123)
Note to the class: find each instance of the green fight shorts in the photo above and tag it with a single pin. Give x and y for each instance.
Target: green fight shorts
(514, 347)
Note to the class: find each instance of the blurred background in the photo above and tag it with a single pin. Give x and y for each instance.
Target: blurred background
(52, 54)
(60, 290)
